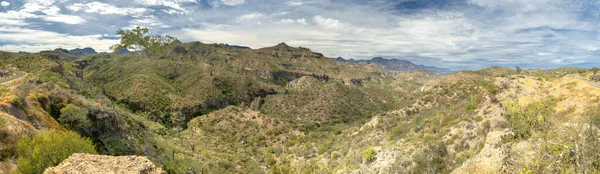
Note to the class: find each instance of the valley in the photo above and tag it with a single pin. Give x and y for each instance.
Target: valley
(210, 108)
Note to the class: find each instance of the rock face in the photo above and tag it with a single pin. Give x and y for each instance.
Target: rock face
(303, 83)
(87, 163)
(287, 76)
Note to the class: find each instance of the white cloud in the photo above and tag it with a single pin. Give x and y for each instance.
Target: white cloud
(301, 21)
(328, 23)
(67, 19)
(4, 4)
(51, 13)
(37, 5)
(281, 13)
(233, 2)
(52, 10)
(174, 4)
(31, 40)
(11, 22)
(17, 15)
(147, 21)
(103, 8)
(557, 61)
(294, 3)
(251, 17)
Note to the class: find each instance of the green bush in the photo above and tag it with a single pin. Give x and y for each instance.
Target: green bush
(75, 118)
(369, 155)
(3, 91)
(2, 122)
(487, 126)
(399, 131)
(431, 159)
(49, 148)
(524, 120)
(18, 102)
(335, 155)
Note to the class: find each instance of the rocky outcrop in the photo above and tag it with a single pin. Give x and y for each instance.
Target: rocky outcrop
(179, 49)
(286, 76)
(303, 84)
(87, 163)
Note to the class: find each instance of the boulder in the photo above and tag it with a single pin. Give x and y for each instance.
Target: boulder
(88, 163)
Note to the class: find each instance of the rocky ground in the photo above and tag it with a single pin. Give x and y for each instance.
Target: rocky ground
(87, 163)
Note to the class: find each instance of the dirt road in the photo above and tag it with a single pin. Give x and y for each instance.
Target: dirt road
(594, 84)
(18, 75)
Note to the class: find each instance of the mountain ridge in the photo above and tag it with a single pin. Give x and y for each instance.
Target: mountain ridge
(398, 65)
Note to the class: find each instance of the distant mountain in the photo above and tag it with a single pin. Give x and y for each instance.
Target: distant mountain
(398, 65)
(436, 70)
(233, 46)
(61, 53)
(82, 52)
(123, 51)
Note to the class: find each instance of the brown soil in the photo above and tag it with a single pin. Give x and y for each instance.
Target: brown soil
(87, 163)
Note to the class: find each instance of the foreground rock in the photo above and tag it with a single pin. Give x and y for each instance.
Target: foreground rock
(87, 163)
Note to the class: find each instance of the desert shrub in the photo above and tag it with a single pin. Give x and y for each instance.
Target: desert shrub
(6, 153)
(399, 131)
(224, 163)
(48, 148)
(431, 159)
(524, 120)
(335, 155)
(18, 102)
(2, 122)
(281, 169)
(369, 155)
(182, 166)
(487, 126)
(325, 146)
(8, 139)
(3, 91)
(271, 160)
(75, 118)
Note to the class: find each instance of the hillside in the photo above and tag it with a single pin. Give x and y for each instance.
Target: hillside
(219, 108)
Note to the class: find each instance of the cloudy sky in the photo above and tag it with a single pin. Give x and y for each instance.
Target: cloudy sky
(460, 34)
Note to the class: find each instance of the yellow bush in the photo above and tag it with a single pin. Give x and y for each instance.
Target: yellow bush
(369, 155)
(49, 148)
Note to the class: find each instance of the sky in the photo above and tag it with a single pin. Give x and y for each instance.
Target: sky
(458, 34)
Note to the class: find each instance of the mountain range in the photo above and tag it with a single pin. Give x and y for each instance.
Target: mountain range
(77, 52)
(398, 65)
